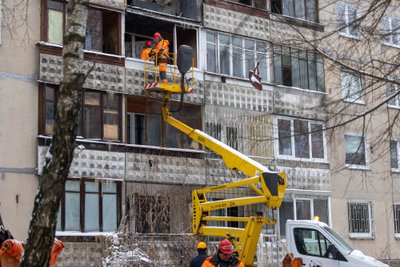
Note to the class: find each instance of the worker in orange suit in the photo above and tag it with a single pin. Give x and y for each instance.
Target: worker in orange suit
(146, 50)
(161, 51)
(11, 252)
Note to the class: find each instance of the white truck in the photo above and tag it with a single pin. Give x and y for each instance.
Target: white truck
(317, 245)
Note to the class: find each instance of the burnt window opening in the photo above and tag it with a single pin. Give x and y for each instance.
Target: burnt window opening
(139, 29)
(100, 114)
(102, 33)
(145, 125)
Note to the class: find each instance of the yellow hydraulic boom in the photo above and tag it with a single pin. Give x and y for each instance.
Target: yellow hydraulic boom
(268, 187)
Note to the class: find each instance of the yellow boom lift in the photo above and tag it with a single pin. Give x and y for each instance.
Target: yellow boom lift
(268, 186)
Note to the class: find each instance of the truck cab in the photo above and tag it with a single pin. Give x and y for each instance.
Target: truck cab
(318, 245)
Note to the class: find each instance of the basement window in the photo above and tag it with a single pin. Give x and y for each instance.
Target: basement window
(90, 206)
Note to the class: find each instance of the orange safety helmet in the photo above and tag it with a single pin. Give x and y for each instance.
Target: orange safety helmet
(157, 36)
(147, 43)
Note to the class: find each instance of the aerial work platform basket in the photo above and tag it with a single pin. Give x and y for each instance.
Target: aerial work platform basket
(153, 84)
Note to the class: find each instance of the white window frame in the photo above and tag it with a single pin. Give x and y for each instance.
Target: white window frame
(390, 32)
(392, 88)
(346, 31)
(398, 156)
(256, 51)
(346, 90)
(396, 219)
(293, 155)
(366, 153)
(371, 223)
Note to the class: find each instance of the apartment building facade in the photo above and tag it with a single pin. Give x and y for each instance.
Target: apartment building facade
(134, 172)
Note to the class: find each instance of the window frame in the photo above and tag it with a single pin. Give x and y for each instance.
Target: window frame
(396, 219)
(397, 152)
(260, 55)
(289, 68)
(346, 90)
(103, 14)
(292, 137)
(61, 221)
(369, 221)
(277, 7)
(140, 223)
(395, 102)
(391, 32)
(345, 30)
(294, 208)
(366, 152)
(81, 126)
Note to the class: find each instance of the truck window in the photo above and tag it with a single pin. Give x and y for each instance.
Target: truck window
(311, 242)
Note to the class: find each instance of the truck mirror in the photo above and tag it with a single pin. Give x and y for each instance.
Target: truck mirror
(184, 58)
(332, 252)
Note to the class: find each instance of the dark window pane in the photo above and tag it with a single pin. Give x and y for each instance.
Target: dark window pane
(355, 150)
(286, 212)
(93, 30)
(394, 160)
(301, 141)
(284, 137)
(317, 143)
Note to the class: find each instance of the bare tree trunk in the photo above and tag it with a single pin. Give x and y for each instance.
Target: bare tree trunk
(51, 184)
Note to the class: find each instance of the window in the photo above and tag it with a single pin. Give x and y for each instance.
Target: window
(390, 31)
(139, 29)
(311, 242)
(347, 20)
(395, 155)
(356, 155)
(262, 4)
(360, 219)
(100, 116)
(90, 206)
(301, 9)
(302, 209)
(235, 56)
(298, 68)
(228, 135)
(152, 214)
(351, 87)
(102, 31)
(396, 217)
(300, 139)
(146, 127)
(392, 89)
(228, 212)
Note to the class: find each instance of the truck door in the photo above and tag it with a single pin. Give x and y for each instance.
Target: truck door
(313, 248)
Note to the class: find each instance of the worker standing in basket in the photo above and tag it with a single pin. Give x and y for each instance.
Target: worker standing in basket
(161, 54)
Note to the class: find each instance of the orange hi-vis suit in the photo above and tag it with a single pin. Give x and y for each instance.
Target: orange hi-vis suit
(145, 55)
(11, 252)
(161, 53)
